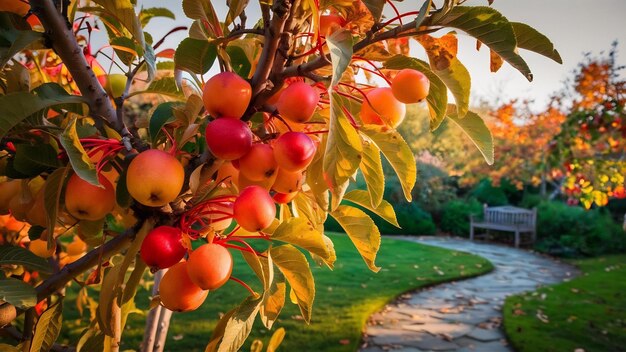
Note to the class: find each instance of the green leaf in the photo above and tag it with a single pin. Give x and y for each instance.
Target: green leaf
(163, 114)
(18, 293)
(164, 86)
(48, 328)
(343, 150)
(458, 80)
(52, 195)
(239, 325)
(302, 233)
(474, 127)
(491, 28)
(194, 55)
(21, 41)
(384, 209)
(14, 255)
(530, 39)
(18, 106)
(294, 266)
(122, 197)
(145, 15)
(34, 159)
(362, 231)
(372, 170)
(424, 10)
(375, 7)
(397, 152)
(124, 13)
(239, 60)
(340, 45)
(203, 10)
(125, 49)
(437, 98)
(235, 8)
(80, 161)
(150, 60)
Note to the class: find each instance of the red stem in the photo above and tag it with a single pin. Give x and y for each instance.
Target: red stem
(395, 9)
(399, 17)
(243, 284)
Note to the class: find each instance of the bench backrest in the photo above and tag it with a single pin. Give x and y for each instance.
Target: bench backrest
(509, 215)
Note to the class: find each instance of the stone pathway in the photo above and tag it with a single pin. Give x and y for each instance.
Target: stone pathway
(464, 315)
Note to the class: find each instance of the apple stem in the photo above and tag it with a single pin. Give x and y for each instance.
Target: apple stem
(172, 150)
(243, 249)
(395, 9)
(243, 284)
(399, 17)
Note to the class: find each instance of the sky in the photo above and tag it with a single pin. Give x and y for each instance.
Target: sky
(574, 26)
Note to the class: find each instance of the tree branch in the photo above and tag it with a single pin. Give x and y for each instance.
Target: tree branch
(322, 61)
(65, 45)
(273, 31)
(89, 260)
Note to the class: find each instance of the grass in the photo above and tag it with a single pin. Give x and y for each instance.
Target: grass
(345, 298)
(588, 312)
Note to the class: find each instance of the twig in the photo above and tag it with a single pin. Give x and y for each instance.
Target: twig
(89, 260)
(281, 9)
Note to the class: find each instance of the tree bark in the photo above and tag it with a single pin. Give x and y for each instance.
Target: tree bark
(89, 260)
(64, 43)
(152, 321)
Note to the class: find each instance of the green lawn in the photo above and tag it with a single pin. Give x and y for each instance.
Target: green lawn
(345, 298)
(588, 312)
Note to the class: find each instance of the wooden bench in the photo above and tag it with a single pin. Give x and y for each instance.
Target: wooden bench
(506, 218)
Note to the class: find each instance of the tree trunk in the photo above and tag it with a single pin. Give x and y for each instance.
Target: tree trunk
(152, 320)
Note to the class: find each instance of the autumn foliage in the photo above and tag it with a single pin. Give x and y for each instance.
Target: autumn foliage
(250, 160)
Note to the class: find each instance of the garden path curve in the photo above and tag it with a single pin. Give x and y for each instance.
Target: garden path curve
(463, 315)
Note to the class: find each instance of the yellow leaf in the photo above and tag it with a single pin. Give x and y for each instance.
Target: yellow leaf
(294, 266)
(397, 152)
(302, 233)
(384, 209)
(372, 170)
(276, 340)
(343, 151)
(362, 231)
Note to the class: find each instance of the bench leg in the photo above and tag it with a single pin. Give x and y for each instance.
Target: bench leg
(471, 232)
(517, 240)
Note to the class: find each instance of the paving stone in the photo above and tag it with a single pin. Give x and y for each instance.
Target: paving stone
(495, 346)
(372, 349)
(465, 315)
(485, 335)
(435, 344)
(448, 330)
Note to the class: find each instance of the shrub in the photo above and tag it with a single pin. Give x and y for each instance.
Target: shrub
(412, 219)
(572, 231)
(530, 200)
(485, 192)
(455, 217)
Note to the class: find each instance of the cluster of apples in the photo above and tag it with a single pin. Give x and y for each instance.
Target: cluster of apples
(386, 105)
